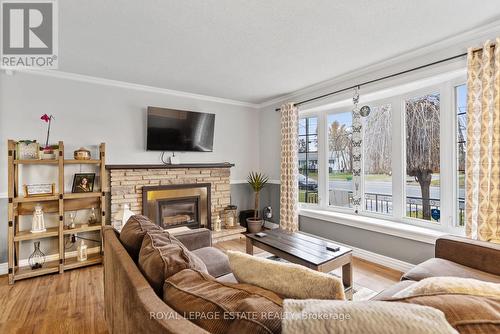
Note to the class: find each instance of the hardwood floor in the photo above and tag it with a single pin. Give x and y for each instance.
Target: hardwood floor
(73, 302)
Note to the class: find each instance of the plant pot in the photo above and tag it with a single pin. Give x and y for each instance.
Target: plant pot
(254, 225)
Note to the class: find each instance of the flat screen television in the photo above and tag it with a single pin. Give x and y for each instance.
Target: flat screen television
(180, 130)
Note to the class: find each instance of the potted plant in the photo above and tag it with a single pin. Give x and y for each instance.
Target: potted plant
(257, 181)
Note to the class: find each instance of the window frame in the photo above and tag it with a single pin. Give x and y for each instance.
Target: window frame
(318, 134)
(448, 170)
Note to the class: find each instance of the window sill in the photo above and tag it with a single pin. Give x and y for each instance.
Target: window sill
(401, 230)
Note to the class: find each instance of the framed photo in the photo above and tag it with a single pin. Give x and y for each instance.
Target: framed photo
(41, 189)
(83, 183)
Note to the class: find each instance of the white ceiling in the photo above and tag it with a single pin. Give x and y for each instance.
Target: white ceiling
(250, 51)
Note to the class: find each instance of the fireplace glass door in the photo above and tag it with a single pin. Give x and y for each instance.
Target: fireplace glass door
(179, 212)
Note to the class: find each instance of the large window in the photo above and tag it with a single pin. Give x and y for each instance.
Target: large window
(377, 152)
(422, 125)
(340, 159)
(461, 110)
(308, 160)
(413, 160)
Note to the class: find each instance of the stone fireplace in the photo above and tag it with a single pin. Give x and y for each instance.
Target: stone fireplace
(177, 191)
(179, 205)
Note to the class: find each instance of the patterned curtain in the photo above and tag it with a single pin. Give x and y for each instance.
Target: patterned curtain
(289, 192)
(483, 143)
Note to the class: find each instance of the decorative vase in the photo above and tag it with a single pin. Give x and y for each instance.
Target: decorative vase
(82, 154)
(37, 258)
(254, 225)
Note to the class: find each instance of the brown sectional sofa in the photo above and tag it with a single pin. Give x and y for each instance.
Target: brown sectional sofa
(131, 305)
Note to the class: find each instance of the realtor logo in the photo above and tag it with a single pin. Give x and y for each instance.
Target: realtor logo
(29, 34)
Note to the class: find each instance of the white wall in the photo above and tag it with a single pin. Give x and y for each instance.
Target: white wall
(89, 113)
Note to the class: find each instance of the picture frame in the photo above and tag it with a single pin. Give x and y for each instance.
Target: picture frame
(39, 189)
(83, 183)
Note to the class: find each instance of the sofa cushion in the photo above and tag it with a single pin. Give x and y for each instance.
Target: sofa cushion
(393, 289)
(441, 267)
(215, 260)
(162, 256)
(223, 307)
(134, 231)
(467, 314)
(286, 279)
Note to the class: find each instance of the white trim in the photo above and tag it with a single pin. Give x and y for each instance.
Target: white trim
(4, 267)
(389, 227)
(237, 181)
(379, 259)
(3, 195)
(442, 49)
(129, 85)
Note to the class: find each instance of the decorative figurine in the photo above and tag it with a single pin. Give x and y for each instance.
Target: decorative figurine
(217, 223)
(38, 224)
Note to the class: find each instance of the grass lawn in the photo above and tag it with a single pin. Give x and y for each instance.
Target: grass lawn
(302, 197)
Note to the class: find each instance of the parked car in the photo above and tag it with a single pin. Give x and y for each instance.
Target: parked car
(307, 183)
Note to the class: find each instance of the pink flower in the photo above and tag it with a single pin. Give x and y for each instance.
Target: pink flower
(46, 118)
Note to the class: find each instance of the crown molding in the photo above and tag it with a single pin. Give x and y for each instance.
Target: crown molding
(129, 85)
(454, 44)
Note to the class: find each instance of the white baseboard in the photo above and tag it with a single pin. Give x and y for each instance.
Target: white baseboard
(379, 259)
(4, 267)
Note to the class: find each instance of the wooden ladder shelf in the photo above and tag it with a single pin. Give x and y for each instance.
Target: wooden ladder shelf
(57, 203)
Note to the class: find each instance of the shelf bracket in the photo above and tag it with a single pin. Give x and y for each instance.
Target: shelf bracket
(60, 218)
(11, 223)
(60, 196)
(10, 200)
(10, 270)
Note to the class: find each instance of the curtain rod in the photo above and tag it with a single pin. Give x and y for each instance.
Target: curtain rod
(385, 77)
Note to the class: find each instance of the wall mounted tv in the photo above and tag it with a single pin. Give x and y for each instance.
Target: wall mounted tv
(180, 130)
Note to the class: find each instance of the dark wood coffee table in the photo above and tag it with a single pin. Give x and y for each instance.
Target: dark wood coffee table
(305, 250)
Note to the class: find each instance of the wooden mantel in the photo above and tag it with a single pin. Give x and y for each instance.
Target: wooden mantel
(170, 166)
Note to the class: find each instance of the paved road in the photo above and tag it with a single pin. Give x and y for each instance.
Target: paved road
(378, 187)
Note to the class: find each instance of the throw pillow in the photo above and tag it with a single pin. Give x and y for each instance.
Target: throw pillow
(467, 314)
(440, 285)
(134, 231)
(286, 279)
(223, 307)
(162, 256)
(374, 317)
